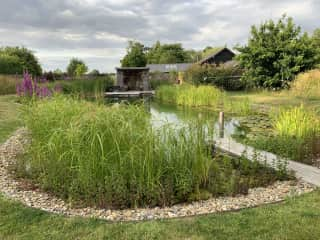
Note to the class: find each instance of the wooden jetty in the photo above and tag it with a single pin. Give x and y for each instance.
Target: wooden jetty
(127, 94)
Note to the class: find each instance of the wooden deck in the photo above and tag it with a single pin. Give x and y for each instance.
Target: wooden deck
(307, 173)
(126, 94)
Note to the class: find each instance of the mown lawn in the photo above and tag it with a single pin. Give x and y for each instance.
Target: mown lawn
(296, 218)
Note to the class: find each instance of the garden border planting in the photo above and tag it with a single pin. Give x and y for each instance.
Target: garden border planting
(33, 197)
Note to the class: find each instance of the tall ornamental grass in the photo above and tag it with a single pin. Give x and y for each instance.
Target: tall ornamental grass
(297, 122)
(111, 156)
(307, 85)
(202, 96)
(297, 134)
(8, 84)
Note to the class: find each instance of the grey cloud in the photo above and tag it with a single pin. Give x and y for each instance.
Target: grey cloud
(88, 26)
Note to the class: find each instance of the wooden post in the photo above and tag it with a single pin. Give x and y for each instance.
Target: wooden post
(221, 124)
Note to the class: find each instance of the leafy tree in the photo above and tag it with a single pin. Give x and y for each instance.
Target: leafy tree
(316, 43)
(168, 53)
(19, 59)
(135, 56)
(275, 53)
(73, 65)
(81, 69)
(10, 65)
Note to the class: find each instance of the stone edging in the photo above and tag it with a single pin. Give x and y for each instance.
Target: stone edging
(13, 189)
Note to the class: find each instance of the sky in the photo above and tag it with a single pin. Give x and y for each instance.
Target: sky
(97, 31)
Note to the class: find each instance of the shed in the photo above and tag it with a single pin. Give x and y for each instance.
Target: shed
(221, 56)
(133, 78)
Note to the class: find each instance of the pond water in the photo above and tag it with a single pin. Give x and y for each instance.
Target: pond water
(162, 114)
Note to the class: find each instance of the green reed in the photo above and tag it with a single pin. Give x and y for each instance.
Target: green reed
(202, 96)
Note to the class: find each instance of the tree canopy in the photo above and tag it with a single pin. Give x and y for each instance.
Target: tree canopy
(76, 67)
(275, 53)
(168, 53)
(15, 60)
(135, 56)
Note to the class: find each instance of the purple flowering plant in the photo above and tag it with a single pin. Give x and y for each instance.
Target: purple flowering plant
(30, 87)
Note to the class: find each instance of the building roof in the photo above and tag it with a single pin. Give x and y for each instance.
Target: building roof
(131, 68)
(216, 53)
(178, 67)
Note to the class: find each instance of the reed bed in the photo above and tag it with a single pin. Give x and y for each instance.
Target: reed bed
(8, 84)
(202, 96)
(113, 157)
(296, 135)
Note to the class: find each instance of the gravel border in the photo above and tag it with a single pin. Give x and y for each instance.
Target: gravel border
(16, 189)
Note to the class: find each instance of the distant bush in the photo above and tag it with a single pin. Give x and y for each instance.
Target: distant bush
(10, 65)
(307, 85)
(15, 60)
(224, 77)
(113, 157)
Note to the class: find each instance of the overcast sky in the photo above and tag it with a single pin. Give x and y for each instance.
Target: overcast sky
(97, 31)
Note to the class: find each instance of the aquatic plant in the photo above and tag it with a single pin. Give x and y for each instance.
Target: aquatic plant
(202, 96)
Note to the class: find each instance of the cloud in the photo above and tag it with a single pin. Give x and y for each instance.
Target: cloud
(98, 30)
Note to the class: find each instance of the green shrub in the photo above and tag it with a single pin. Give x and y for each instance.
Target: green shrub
(224, 77)
(114, 157)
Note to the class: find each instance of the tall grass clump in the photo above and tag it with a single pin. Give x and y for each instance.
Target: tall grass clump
(307, 85)
(299, 129)
(8, 84)
(296, 135)
(202, 96)
(87, 87)
(113, 157)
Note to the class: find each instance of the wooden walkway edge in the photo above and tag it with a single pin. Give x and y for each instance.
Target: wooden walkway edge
(307, 173)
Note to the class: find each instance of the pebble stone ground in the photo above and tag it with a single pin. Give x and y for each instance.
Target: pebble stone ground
(16, 190)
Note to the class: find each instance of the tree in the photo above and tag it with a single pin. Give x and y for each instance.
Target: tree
(20, 59)
(168, 53)
(10, 65)
(135, 56)
(316, 43)
(275, 53)
(72, 67)
(81, 69)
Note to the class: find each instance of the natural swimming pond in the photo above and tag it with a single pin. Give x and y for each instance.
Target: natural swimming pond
(175, 115)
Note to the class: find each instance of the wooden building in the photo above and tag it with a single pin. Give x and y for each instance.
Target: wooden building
(133, 78)
(221, 56)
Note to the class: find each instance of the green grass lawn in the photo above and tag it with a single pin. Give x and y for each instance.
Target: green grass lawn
(296, 218)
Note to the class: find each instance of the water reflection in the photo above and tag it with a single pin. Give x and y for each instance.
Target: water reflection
(163, 114)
